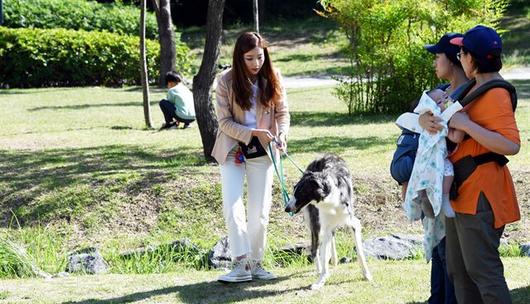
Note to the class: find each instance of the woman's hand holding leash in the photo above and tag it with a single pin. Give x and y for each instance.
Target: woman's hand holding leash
(264, 135)
(281, 142)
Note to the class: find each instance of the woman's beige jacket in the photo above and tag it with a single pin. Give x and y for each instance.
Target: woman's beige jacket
(231, 119)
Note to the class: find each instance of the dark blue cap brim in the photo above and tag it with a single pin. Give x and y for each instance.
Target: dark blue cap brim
(433, 48)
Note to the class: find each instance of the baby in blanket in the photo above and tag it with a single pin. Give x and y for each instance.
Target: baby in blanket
(443, 101)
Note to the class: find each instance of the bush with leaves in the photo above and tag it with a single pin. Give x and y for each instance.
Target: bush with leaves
(77, 14)
(59, 57)
(389, 66)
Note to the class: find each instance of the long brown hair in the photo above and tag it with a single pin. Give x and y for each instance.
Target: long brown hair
(241, 84)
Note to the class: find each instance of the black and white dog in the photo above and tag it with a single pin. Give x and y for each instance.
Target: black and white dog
(326, 192)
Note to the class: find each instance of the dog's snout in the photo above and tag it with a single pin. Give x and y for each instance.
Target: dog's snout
(290, 205)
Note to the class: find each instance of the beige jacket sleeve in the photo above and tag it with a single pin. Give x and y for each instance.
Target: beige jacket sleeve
(223, 107)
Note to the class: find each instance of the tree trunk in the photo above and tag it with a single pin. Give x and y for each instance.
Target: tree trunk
(262, 11)
(166, 38)
(143, 69)
(202, 82)
(255, 10)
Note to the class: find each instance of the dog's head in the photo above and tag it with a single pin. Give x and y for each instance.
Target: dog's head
(313, 186)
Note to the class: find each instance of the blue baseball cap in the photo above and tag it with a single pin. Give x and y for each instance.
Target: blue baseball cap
(444, 46)
(482, 41)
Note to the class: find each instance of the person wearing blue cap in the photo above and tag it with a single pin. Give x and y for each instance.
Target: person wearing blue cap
(484, 199)
(446, 66)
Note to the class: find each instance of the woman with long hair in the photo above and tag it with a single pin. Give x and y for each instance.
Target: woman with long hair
(253, 121)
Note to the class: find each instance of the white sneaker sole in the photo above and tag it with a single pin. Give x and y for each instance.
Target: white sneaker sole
(235, 279)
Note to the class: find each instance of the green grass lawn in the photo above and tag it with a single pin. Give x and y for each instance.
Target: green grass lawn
(79, 168)
(394, 282)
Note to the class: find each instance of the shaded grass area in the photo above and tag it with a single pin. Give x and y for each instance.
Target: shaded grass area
(316, 46)
(516, 41)
(311, 47)
(394, 282)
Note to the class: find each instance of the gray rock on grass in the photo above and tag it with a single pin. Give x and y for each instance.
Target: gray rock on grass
(87, 260)
(393, 247)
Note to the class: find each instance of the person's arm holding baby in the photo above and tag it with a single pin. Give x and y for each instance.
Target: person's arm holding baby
(453, 134)
(431, 123)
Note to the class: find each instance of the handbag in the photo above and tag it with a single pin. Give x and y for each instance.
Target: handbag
(253, 149)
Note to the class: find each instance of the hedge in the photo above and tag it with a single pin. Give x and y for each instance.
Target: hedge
(59, 57)
(76, 15)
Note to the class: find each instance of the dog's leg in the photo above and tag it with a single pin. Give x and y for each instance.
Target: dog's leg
(355, 225)
(334, 260)
(311, 216)
(323, 255)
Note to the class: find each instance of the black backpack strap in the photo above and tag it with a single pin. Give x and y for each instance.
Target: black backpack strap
(465, 166)
(466, 87)
(496, 83)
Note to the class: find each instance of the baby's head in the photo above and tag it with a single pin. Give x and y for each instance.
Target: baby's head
(440, 97)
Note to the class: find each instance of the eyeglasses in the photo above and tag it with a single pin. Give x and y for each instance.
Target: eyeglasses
(458, 55)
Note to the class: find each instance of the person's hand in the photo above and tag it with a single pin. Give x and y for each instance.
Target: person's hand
(264, 135)
(459, 120)
(430, 123)
(281, 142)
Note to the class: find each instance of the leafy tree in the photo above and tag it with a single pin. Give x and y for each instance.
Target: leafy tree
(389, 66)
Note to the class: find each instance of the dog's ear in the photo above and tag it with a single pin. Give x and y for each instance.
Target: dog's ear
(324, 187)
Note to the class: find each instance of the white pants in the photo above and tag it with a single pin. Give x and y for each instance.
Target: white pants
(247, 235)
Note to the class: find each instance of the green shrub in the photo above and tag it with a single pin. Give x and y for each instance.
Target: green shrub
(389, 66)
(59, 57)
(76, 15)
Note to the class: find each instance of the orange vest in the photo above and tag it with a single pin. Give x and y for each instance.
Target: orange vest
(492, 111)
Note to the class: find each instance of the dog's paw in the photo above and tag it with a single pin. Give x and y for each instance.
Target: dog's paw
(316, 286)
(320, 282)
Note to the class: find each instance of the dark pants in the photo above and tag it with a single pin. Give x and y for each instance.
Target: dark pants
(442, 289)
(169, 113)
(473, 260)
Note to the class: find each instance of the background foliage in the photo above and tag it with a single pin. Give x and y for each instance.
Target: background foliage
(389, 67)
(77, 14)
(59, 57)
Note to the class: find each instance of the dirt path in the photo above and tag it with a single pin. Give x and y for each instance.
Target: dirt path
(518, 73)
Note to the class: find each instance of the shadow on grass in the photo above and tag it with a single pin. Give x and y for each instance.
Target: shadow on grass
(327, 119)
(336, 144)
(93, 105)
(523, 88)
(203, 292)
(519, 296)
(27, 174)
(278, 32)
(309, 57)
(21, 91)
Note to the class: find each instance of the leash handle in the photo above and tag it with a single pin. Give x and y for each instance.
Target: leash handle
(289, 158)
(279, 173)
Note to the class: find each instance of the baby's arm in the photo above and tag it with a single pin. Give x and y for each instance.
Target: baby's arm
(455, 135)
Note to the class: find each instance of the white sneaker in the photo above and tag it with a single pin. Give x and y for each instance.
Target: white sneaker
(240, 273)
(259, 273)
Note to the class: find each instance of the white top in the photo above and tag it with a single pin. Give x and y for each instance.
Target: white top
(250, 115)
